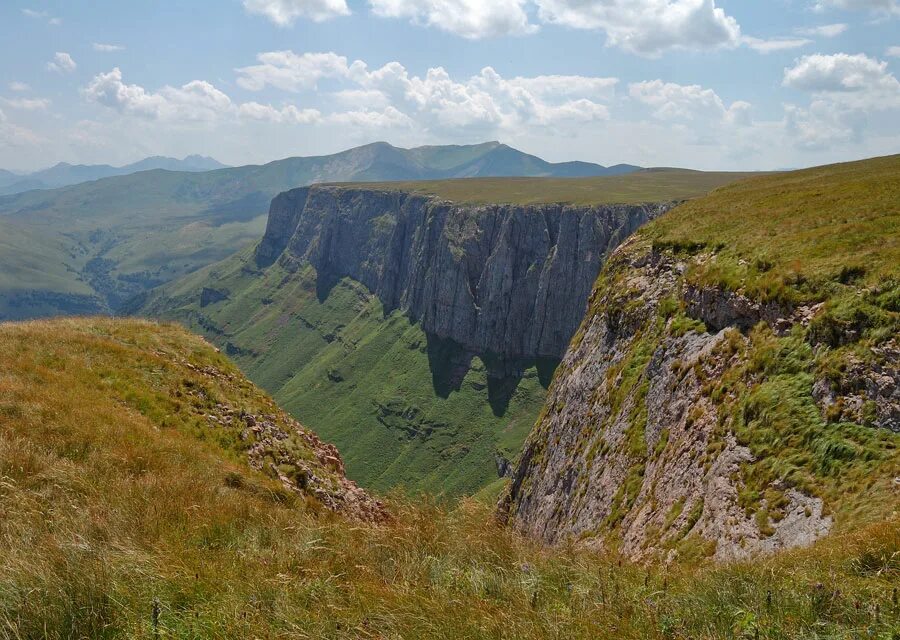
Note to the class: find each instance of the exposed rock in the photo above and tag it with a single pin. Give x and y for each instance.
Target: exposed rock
(506, 280)
(279, 446)
(865, 392)
(631, 450)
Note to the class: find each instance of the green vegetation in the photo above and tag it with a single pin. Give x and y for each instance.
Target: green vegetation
(373, 384)
(793, 236)
(120, 521)
(649, 185)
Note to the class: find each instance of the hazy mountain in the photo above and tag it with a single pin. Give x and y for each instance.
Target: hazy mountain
(64, 174)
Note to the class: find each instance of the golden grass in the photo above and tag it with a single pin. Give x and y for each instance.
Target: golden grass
(110, 503)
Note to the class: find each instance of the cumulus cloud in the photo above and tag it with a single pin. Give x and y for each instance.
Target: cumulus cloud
(291, 72)
(647, 27)
(841, 72)
(195, 101)
(847, 91)
(671, 101)
(467, 18)
(26, 104)
(18, 86)
(62, 63)
(107, 48)
(824, 31)
(774, 44)
(285, 12)
(893, 52)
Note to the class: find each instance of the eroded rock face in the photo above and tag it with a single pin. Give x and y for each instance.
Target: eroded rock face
(632, 449)
(506, 280)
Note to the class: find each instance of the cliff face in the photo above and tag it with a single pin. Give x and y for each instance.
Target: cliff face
(506, 280)
(696, 420)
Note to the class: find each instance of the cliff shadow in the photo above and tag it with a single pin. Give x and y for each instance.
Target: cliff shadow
(449, 363)
(325, 282)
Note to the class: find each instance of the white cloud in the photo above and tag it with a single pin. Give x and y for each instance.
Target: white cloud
(286, 115)
(842, 73)
(893, 52)
(365, 98)
(647, 27)
(107, 48)
(388, 118)
(290, 71)
(878, 6)
(26, 104)
(62, 63)
(774, 44)
(41, 15)
(285, 12)
(850, 94)
(18, 86)
(670, 101)
(824, 31)
(195, 101)
(470, 19)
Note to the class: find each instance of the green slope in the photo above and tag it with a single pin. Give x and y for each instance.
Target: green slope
(363, 380)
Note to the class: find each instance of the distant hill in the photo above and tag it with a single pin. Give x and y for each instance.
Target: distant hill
(64, 174)
(111, 238)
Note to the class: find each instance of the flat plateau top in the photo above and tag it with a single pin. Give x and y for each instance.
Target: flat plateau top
(648, 185)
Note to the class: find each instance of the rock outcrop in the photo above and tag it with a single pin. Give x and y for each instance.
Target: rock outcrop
(507, 280)
(686, 418)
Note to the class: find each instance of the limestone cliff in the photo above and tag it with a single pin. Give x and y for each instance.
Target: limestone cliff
(507, 280)
(697, 420)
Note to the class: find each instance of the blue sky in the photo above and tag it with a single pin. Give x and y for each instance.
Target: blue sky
(750, 84)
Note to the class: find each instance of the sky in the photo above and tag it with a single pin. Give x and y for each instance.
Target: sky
(707, 84)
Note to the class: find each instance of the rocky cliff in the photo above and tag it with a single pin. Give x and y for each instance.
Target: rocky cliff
(732, 390)
(506, 280)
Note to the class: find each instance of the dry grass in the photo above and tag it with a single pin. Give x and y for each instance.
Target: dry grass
(111, 499)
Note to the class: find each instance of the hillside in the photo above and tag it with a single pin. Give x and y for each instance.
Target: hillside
(119, 236)
(64, 174)
(735, 385)
(417, 334)
(131, 513)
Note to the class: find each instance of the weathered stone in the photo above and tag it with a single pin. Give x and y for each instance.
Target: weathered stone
(507, 280)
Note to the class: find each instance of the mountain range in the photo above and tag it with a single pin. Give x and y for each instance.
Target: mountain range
(64, 174)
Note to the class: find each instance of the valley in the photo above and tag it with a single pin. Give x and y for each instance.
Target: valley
(417, 333)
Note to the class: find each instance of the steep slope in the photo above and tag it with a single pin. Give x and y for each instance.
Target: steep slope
(120, 236)
(130, 511)
(416, 333)
(735, 386)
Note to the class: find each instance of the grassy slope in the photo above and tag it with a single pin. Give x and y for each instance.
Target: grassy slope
(650, 185)
(828, 235)
(383, 413)
(109, 505)
(789, 235)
